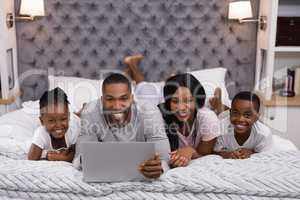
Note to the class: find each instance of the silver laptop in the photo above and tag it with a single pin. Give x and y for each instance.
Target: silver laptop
(114, 161)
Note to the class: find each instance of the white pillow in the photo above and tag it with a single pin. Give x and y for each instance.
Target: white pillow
(149, 93)
(78, 90)
(210, 80)
(18, 125)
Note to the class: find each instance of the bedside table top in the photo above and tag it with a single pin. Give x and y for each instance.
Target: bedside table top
(11, 99)
(282, 101)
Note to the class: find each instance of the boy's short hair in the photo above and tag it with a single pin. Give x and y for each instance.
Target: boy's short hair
(53, 97)
(249, 96)
(114, 78)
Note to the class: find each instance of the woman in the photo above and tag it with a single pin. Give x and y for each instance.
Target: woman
(192, 129)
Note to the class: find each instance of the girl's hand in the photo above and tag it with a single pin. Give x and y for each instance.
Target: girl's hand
(56, 155)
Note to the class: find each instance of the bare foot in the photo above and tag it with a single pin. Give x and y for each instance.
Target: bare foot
(133, 60)
(216, 101)
(133, 67)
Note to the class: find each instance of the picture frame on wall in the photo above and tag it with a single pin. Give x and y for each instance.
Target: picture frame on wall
(10, 68)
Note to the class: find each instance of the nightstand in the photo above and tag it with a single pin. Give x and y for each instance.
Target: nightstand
(283, 115)
(10, 104)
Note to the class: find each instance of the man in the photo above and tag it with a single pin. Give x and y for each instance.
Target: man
(116, 117)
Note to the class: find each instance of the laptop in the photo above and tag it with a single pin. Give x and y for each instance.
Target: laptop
(114, 161)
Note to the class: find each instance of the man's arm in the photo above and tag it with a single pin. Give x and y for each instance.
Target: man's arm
(154, 131)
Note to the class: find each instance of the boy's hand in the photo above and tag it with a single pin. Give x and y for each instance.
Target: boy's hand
(151, 168)
(238, 154)
(244, 153)
(230, 154)
(181, 157)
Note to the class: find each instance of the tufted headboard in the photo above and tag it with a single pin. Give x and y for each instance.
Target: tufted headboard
(81, 38)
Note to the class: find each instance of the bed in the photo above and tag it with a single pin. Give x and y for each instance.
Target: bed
(86, 38)
(270, 175)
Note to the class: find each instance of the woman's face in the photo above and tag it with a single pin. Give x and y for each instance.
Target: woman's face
(183, 104)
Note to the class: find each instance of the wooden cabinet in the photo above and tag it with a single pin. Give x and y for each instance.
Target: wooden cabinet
(283, 116)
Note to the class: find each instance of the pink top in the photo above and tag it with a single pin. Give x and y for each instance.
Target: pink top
(206, 127)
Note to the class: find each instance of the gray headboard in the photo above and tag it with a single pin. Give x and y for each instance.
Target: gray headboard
(82, 37)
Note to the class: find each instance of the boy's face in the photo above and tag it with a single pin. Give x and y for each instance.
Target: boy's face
(117, 100)
(243, 115)
(55, 118)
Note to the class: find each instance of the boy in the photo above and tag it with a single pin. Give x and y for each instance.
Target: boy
(242, 133)
(55, 139)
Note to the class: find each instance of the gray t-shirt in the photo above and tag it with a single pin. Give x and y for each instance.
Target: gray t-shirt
(145, 125)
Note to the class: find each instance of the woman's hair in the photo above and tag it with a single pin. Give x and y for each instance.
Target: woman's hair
(170, 88)
(184, 80)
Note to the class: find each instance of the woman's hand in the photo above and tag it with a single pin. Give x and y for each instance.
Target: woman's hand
(182, 156)
(151, 168)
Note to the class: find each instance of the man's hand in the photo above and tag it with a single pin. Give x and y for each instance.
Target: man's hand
(182, 156)
(151, 168)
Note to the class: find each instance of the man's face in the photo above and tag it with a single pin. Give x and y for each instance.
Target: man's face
(117, 100)
(55, 118)
(243, 115)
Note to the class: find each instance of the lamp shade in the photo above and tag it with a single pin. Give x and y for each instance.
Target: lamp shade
(32, 7)
(240, 10)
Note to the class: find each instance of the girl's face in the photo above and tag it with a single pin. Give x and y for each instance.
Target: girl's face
(55, 118)
(183, 104)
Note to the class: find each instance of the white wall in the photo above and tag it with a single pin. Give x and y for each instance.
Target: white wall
(7, 41)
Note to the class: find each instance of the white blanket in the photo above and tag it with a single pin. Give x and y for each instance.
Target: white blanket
(263, 176)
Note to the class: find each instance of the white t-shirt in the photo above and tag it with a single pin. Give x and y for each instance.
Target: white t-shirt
(42, 138)
(206, 127)
(260, 138)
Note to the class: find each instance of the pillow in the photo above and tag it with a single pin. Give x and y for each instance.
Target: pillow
(149, 93)
(210, 80)
(78, 90)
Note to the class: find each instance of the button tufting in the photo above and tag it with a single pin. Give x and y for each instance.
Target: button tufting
(85, 63)
(51, 63)
(68, 63)
(57, 6)
(94, 53)
(102, 19)
(59, 52)
(102, 63)
(75, 6)
(85, 41)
